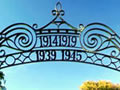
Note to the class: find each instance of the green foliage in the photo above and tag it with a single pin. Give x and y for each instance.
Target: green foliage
(1, 75)
(1, 78)
(100, 85)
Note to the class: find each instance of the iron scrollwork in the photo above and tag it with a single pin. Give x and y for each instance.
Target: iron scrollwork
(95, 43)
(19, 36)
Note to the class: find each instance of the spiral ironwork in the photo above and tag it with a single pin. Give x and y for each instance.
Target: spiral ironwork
(95, 43)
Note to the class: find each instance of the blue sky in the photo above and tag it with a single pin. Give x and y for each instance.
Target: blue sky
(58, 75)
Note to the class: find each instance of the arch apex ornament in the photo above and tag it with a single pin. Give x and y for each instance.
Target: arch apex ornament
(95, 43)
(58, 10)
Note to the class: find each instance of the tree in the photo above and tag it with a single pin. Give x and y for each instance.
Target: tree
(1, 75)
(100, 85)
(2, 79)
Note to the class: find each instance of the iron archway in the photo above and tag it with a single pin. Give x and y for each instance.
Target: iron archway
(95, 43)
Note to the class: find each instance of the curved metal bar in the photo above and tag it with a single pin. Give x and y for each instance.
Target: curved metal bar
(60, 61)
(6, 29)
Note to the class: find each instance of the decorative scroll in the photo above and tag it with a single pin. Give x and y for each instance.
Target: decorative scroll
(19, 36)
(94, 43)
(97, 37)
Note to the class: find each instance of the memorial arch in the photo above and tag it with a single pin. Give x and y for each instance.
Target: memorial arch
(95, 43)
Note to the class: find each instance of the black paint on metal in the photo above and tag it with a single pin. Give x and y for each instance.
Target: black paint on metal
(95, 44)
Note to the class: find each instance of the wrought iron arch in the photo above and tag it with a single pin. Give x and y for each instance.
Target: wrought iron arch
(95, 43)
